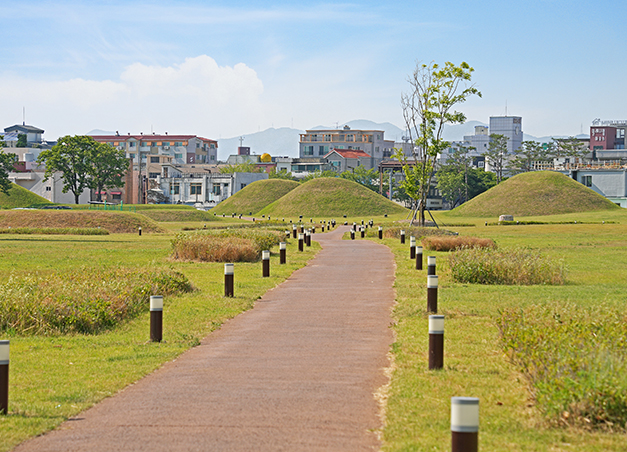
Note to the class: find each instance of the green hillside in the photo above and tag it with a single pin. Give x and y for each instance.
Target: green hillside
(255, 196)
(329, 196)
(20, 197)
(534, 193)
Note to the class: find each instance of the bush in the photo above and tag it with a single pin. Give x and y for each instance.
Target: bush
(224, 245)
(86, 301)
(514, 266)
(574, 360)
(443, 243)
(392, 232)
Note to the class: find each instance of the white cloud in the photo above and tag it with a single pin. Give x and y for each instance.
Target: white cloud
(197, 96)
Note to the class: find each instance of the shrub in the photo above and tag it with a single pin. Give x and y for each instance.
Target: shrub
(391, 232)
(513, 266)
(574, 360)
(86, 301)
(224, 245)
(448, 243)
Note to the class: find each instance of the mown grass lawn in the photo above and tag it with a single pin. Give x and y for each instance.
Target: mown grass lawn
(54, 378)
(418, 404)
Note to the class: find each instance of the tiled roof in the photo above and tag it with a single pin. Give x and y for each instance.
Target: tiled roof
(349, 153)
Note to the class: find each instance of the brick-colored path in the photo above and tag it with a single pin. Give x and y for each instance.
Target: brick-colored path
(296, 373)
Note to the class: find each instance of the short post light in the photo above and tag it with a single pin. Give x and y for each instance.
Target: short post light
(432, 293)
(228, 279)
(156, 318)
(352, 234)
(282, 253)
(308, 237)
(139, 230)
(402, 237)
(4, 377)
(294, 230)
(431, 265)
(363, 231)
(288, 234)
(380, 233)
(313, 229)
(412, 247)
(419, 258)
(265, 263)
(464, 424)
(436, 342)
(301, 239)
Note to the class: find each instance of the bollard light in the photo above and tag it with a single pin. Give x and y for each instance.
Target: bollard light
(380, 232)
(4, 377)
(156, 318)
(363, 231)
(412, 247)
(352, 235)
(294, 230)
(301, 239)
(229, 270)
(432, 293)
(431, 265)
(282, 253)
(139, 229)
(308, 237)
(402, 237)
(464, 424)
(419, 258)
(436, 342)
(265, 263)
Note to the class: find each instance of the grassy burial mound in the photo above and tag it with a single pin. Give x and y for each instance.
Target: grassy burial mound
(534, 193)
(20, 197)
(114, 222)
(255, 196)
(329, 196)
(168, 215)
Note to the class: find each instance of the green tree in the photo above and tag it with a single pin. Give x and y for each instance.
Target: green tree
(496, 155)
(452, 177)
(246, 167)
(71, 157)
(529, 153)
(21, 141)
(367, 178)
(108, 166)
(316, 174)
(6, 166)
(427, 107)
(571, 147)
(283, 174)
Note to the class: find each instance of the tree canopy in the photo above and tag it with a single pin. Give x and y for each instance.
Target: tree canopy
(6, 166)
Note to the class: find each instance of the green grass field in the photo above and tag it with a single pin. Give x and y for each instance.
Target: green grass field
(19, 197)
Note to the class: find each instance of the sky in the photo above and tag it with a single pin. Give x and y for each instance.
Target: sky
(220, 69)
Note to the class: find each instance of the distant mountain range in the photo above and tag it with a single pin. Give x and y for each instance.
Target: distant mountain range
(284, 141)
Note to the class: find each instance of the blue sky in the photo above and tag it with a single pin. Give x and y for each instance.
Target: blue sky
(221, 69)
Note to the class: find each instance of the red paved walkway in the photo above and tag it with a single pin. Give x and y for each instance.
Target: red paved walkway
(296, 373)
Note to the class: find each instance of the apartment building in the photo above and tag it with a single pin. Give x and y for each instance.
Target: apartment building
(318, 143)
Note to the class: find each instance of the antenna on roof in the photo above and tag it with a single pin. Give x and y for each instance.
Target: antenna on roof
(23, 116)
(505, 107)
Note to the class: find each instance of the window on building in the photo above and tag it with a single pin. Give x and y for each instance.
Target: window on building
(587, 181)
(216, 189)
(178, 156)
(154, 159)
(175, 189)
(241, 186)
(620, 133)
(178, 143)
(350, 137)
(323, 150)
(166, 143)
(195, 188)
(153, 175)
(132, 144)
(117, 196)
(213, 157)
(308, 150)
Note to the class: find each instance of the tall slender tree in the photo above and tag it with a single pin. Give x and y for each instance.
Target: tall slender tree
(496, 155)
(430, 104)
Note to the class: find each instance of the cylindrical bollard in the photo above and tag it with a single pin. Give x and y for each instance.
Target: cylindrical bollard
(436, 342)
(412, 247)
(228, 279)
(308, 237)
(363, 231)
(302, 228)
(352, 235)
(294, 230)
(355, 227)
(431, 265)
(4, 377)
(140, 230)
(282, 253)
(464, 424)
(301, 240)
(419, 258)
(402, 237)
(265, 263)
(156, 318)
(288, 234)
(380, 232)
(313, 229)
(432, 293)
(322, 228)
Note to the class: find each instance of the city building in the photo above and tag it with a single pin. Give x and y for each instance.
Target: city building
(479, 141)
(302, 167)
(348, 159)
(509, 126)
(34, 137)
(318, 143)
